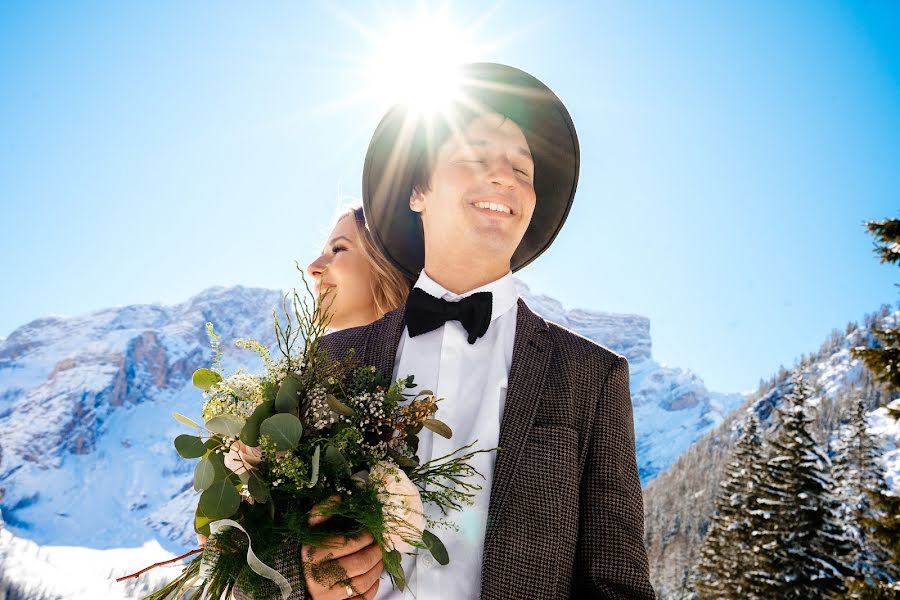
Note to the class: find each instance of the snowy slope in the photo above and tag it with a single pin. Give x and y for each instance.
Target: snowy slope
(75, 573)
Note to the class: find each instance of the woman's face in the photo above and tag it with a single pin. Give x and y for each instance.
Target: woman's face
(342, 272)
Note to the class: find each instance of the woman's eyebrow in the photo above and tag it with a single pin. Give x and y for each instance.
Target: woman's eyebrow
(339, 237)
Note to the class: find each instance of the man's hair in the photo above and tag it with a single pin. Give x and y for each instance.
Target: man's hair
(423, 161)
(389, 286)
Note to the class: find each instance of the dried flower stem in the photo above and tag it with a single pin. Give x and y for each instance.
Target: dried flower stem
(159, 564)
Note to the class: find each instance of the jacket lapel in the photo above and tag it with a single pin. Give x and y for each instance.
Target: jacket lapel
(528, 371)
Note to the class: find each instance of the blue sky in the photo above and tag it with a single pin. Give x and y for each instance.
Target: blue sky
(730, 153)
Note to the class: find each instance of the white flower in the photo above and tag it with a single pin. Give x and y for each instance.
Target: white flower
(241, 457)
(404, 514)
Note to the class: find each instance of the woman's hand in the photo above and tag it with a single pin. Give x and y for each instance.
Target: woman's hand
(345, 567)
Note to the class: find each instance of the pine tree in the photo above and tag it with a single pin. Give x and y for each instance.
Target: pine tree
(883, 360)
(801, 536)
(884, 528)
(860, 479)
(729, 547)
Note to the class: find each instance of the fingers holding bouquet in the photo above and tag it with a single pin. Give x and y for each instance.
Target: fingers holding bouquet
(343, 566)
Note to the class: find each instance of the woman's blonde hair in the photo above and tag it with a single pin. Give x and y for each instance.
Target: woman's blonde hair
(389, 286)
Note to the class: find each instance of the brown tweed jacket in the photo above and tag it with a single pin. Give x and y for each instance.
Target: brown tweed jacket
(566, 514)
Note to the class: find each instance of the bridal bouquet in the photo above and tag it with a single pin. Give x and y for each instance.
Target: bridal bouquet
(308, 430)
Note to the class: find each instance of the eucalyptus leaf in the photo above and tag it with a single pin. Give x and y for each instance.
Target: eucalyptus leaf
(217, 460)
(436, 547)
(201, 522)
(284, 430)
(189, 446)
(338, 406)
(270, 391)
(286, 400)
(229, 425)
(185, 421)
(220, 500)
(258, 489)
(439, 427)
(250, 431)
(315, 467)
(425, 393)
(205, 379)
(204, 475)
(335, 462)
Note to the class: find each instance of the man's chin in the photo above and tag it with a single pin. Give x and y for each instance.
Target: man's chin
(493, 243)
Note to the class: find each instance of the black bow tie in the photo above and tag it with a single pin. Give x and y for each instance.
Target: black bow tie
(426, 313)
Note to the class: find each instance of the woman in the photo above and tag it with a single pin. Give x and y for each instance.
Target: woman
(360, 283)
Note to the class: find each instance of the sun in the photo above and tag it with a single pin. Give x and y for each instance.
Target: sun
(413, 59)
(416, 62)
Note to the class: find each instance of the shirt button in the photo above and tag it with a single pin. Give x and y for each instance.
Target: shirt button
(427, 561)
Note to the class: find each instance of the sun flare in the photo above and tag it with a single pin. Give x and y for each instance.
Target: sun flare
(413, 57)
(415, 62)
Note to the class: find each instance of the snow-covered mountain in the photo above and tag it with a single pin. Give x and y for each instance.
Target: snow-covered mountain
(86, 455)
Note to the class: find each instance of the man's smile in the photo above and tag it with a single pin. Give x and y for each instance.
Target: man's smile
(494, 205)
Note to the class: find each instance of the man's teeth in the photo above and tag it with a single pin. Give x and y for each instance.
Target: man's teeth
(494, 206)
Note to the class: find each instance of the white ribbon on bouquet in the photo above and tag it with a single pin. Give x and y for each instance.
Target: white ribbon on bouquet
(258, 566)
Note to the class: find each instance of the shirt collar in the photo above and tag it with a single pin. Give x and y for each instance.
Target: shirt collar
(503, 291)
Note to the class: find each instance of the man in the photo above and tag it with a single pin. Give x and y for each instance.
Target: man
(472, 197)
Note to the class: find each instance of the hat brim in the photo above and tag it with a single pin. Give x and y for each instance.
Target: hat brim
(402, 136)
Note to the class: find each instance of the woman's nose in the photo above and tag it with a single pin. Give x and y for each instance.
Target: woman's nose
(316, 267)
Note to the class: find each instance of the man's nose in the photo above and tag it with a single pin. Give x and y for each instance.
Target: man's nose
(501, 172)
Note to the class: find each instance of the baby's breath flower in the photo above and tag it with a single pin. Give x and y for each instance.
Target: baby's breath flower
(237, 395)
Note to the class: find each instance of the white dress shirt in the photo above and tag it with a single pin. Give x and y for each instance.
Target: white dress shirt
(472, 379)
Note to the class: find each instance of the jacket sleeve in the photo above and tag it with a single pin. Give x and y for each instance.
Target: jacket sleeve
(611, 560)
(289, 564)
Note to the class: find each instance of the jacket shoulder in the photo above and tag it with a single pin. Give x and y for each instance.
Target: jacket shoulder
(337, 343)
(573, 346)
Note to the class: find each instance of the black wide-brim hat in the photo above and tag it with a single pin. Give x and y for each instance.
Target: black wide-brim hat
(403, 136)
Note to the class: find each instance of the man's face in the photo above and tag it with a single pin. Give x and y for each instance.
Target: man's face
(482, 192)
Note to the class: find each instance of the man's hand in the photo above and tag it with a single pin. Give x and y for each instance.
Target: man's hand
(345, 567)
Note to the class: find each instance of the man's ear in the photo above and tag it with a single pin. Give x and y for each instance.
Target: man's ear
(416, 201)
